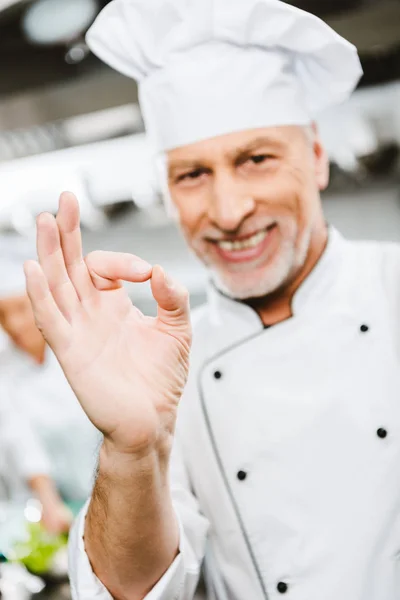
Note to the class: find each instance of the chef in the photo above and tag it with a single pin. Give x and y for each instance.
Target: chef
(25, 467)
(49, 445)
(278, 466)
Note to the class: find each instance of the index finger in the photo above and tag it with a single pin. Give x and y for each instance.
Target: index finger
(108, 269)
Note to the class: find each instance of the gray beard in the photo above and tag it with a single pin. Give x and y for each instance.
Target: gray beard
(283, 272)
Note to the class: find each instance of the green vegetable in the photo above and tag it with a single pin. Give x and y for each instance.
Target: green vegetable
(37, 551)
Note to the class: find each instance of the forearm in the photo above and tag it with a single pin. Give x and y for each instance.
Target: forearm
(131, 533)
(56, 518)
(44, 489)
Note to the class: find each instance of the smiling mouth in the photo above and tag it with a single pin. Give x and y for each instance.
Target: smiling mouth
(246, 243)
(250, 242)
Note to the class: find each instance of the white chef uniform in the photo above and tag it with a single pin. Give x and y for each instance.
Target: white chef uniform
(22, 455)
(288, 438)
(68, 440)
(289, 442)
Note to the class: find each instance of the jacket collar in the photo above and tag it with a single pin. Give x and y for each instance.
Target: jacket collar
(309, 297)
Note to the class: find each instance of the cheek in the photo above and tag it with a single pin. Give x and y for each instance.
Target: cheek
(192, 210)
(289, 191)
(279, 194)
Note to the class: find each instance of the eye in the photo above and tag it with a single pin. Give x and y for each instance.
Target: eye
(190, 175)
(259, 158)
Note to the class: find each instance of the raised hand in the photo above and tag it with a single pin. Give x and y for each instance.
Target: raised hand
(127, 370)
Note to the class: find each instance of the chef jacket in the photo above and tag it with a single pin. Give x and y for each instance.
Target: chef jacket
(62, 443)
(19, 446)
(286, 465)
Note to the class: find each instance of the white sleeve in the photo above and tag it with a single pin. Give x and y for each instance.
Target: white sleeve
(181, 579)
(19, 440)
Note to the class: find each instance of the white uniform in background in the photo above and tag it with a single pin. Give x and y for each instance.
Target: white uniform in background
(66, 442)
(17, 465)
(288, 443)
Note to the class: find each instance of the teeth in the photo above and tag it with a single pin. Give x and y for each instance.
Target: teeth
(244, 244)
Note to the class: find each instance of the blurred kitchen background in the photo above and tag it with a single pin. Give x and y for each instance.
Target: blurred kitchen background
(67, 121)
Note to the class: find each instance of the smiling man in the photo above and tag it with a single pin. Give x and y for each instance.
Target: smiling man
(249, 207)
(279, 470)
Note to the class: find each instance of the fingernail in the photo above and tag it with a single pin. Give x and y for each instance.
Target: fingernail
(141, 267)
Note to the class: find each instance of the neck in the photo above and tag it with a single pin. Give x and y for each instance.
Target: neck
(277, 307)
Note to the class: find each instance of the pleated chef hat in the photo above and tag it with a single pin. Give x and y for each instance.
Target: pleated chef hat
(14, 251)
(210, 67)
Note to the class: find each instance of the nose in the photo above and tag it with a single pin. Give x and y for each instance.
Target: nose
(230, 203)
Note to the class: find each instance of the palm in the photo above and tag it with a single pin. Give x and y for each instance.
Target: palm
(127, 370)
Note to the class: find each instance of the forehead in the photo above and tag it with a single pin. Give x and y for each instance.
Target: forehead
(233, 143)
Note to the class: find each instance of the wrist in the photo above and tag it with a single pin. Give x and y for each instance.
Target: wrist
(122, 465)
(159, 449)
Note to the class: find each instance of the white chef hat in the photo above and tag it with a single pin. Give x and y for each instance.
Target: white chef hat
(210, 67)
(14, 251)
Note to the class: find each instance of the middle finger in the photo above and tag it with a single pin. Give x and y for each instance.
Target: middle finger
(68, 221)
(52, 261)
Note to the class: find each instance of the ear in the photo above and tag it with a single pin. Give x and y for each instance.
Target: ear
(321, 159)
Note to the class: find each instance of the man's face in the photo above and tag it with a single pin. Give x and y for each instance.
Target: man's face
(16, 318)
(248, 204)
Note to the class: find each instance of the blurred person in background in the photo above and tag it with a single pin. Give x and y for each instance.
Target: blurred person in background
(282, 462)
(48, 444)
(25, 468)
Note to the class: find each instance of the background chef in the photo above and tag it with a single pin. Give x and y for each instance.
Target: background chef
(287, 443)
(47, 440)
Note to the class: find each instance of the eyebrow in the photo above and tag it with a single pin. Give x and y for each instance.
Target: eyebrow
(236, 155)
(184, 165)
(243, 151)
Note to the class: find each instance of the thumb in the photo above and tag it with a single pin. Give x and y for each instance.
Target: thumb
(172, 299)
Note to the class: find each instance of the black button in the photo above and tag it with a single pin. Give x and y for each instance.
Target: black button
(364, 328)
(282, 587)
(382, 433)
(241, 475)
(217, 374)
